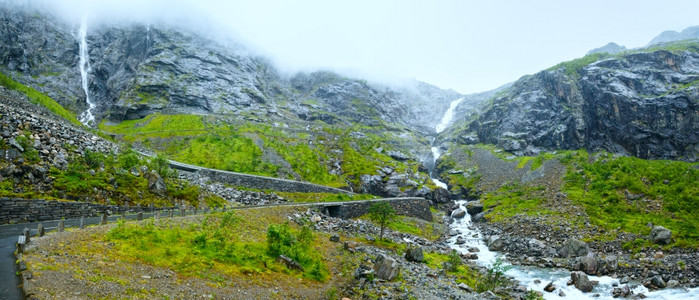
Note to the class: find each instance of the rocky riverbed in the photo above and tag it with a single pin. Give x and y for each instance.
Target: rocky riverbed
(526, 241)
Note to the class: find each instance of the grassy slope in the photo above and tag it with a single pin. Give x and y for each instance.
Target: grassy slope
(37, 97)
(230, 144)
(615, 192)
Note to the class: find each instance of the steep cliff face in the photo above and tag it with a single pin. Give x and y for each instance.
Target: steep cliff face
(644, 104)
(140, 69)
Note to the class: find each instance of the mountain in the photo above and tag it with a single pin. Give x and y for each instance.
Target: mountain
(642, 104)
(611, 48)
(672, 36)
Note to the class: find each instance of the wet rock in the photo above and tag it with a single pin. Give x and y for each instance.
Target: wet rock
(474, 207)
(588, 264)
(622, 292)
(458, 213)
(660, 235)
(549, 287)
(658, 281)
(581, 281)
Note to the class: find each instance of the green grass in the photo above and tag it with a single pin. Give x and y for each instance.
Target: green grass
(222, 243)
(37, 97)
(510, 200)
(668, 194)
(158, 125)
(463, 273)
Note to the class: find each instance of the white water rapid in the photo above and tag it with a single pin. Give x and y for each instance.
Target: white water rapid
(86, 117)
(527, 275)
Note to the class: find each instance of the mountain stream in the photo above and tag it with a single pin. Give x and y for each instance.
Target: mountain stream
(536, 278)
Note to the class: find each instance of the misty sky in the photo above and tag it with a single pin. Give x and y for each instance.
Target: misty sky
(469, 46)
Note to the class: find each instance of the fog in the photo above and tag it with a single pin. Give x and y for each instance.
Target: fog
(469, 46)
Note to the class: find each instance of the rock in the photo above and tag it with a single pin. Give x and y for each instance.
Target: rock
(156, 184)
(581, 281)
(658, 281)
(573, 248)
(474, 207)
(549, 287)
(464, 287)
(673, 283)
(588, 264)
(414, 254)
(624, 280)
(561, 293)
(350, 246)
(622, 292)
(363, 271)
(386, 267)
(480, 217)
(335, 238)
(495, 243)
(290, 263)
(458, 213)
(660, 235)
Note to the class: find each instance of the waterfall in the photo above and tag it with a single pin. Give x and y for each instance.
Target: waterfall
(86, 117)
(448, 115)
(446, 119)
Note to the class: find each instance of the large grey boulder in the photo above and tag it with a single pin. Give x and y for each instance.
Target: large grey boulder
(495, 243)
(660, 235)
(581, 281)
(573, 248)
(588, 264)
(458, 213)
(386, 268)
(474, 207)
(156, 184)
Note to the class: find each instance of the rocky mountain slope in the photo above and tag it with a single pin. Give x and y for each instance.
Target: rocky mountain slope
(642, 104)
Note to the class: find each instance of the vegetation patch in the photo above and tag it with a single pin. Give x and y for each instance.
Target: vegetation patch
(222, 243)
(39, 98)
(628, 193)
(323, 197)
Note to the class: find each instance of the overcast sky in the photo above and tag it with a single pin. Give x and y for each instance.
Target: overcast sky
(469, 46)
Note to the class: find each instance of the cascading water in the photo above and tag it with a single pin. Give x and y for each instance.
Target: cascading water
(446, 119)
(528, 276)
(86, 117)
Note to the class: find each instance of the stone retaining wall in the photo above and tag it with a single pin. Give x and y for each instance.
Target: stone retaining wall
(412, 207)
(266, 183)
(16, 210)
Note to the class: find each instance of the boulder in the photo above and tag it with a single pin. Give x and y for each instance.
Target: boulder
(495, 243)
(550, 287)
(386, 268)
(581, 281)
(621, 292)
(156, 184)
(458, 213)
(474, 207)
(658, 281)
(480, 217)
(414, 254)
(588, 264)
(573, 248)
(660, 235)
(363, 271)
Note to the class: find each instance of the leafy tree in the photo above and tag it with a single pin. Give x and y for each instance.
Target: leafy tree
(382, 213)
(160, 164)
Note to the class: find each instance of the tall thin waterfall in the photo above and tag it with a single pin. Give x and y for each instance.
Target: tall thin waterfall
(86, 117)
(446, 119)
